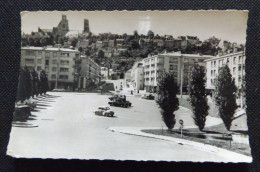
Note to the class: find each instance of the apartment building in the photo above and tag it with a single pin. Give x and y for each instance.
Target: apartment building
(90, 72)
(104, 73)
(137, 79)
(178, 64)
(235, 62)
(58, 63)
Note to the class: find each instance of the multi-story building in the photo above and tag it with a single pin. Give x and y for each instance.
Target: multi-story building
(178, 64)
(90, 72)
(104, 72)
(137, 79)
(236, 64)
(58, 63)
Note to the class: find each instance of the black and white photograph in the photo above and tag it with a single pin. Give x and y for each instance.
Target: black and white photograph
(132, 85)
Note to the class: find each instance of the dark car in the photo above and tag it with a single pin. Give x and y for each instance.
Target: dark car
(148, 96)
(120, 103)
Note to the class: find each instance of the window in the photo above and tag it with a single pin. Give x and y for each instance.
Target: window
(234, 70)
(220, 63)
(234, 60)
(55, 55)
(39, 68)
(46, 69)
(39, 53)
(39, 61)
(54, 69)
(64, 69)
(54, 61)
(29, 60)
(214, 63)
(47, 55)
(53, 76)
(240, 58)
(64, 62)
(171, 67)
(46, 62)
(211, 64)
(65, 54)
(63, 77)
(211, 72)
(30, 53)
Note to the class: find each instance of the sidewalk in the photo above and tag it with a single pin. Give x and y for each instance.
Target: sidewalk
(233, 156)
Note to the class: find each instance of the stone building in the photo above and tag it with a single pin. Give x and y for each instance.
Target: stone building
(62, 28)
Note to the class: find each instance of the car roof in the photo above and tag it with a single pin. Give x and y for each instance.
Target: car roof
(103, 107)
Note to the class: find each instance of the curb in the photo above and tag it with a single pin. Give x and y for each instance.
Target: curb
(233, 156)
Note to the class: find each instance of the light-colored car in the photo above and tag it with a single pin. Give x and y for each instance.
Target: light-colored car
(58, 90)
(104, 111)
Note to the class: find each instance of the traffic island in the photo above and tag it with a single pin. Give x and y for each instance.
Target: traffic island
(236, 141)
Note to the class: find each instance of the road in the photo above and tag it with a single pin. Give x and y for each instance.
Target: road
(67, 128)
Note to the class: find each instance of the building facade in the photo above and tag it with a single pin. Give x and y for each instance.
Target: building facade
(137, 78)
(178, 64)
(236, 64)
(58, 63)
(104, 73)
(90, 73)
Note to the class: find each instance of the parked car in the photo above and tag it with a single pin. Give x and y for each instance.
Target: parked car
(104, 111)
(120, 103)
(148, 96)
(58, 90)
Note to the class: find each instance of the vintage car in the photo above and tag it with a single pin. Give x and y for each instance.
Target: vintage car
(120, 103)
(104, 111)
(148, 96)
(116, 96)
(58, 90)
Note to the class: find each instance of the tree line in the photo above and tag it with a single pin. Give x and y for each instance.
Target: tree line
(224, 97)
(31, 84)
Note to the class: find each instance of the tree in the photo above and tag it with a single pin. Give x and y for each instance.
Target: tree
(21, 91)
(74, 42)
(225, 95)
(101, 54)
(28, 83)
(198, 97)
(35, 82)
(43, 83)
(167, 99)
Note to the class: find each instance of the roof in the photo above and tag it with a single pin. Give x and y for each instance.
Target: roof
(32, 48)
(49, 49)
(72, 32)
(225, 55)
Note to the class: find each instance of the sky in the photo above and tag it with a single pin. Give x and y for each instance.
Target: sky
(226, 25)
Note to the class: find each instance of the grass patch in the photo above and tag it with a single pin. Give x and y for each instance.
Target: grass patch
(209, 136)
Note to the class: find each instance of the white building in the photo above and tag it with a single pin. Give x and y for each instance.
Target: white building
(178, 64)
(104, 73)
(236, 63)
(137, 78)
(58, 63)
